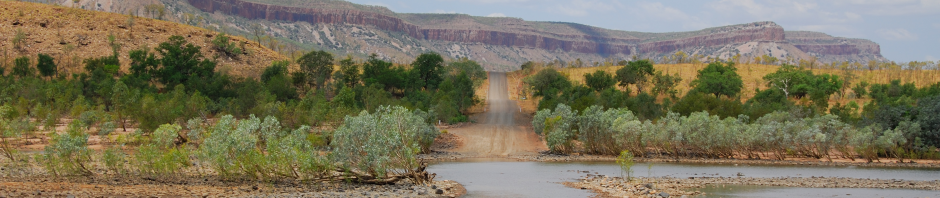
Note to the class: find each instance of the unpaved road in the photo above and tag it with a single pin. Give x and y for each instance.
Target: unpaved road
(502, 131)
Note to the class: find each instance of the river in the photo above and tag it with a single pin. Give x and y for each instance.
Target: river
(502, 178)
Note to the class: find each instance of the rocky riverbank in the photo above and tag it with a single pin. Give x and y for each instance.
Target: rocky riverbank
(666, 186)
(213, 187)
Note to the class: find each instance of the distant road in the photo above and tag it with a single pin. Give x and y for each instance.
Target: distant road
(498, 135)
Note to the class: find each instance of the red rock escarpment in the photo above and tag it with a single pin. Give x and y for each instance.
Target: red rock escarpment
(561, 36)
(253, 10)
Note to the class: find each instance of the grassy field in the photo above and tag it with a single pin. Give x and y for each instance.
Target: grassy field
(751, 74)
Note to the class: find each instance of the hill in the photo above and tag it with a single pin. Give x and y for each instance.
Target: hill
(501, 43)
(72, 34)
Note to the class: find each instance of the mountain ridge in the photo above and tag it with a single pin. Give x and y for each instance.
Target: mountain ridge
(504, 43)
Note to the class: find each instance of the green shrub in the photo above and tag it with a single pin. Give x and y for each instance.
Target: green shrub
(114, 160)
(223, 44)
(557, 127)
(596, 129)
(68, 154)
(387, 141)
(160, 156)
(625, 161)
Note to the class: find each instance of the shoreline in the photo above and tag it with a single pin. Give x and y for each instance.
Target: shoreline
(444, 156)
(197, 181)
(653, 186)
(196, 186)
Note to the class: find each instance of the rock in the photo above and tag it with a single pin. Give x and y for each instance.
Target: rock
(439, 192)
(648, 185)
(433, 186)
(70, 196)
(664, 194)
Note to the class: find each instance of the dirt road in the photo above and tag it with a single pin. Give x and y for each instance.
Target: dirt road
(502, 130)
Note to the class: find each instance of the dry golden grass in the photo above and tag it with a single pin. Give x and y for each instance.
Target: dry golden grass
(54, 29)
(751, 74)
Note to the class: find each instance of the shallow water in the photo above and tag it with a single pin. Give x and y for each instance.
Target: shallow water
(500, 178)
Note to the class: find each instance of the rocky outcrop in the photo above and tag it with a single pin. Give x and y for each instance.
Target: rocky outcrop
(823, 45)
(513, 40)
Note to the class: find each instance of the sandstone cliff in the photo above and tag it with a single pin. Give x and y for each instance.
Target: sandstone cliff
(501, 43)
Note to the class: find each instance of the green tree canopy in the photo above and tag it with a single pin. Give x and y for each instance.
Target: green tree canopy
(429, 68)
(46, 65)
(473, 70)
(635, 73)
(599, 80)
(718, 79)
(548, 83)
(790, 80)
(21, 67)
(824, 86)
(317, 66)
(349, 72)
(182, 62)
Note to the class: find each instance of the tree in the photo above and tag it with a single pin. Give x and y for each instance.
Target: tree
(349, 71)
(635, 73)
(548, 83)
(473, 70)
(144, 66)
(824, 86)
(665, 84)
(599, 80)
(182, 62)
(718, 79)
(317, 66)
(256, 30)
(21, 67)
(46, 65)
(124, 100)
(789, 79)
(860, 89)
(429, 67)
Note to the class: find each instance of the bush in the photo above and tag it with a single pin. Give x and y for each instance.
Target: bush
(68, 154)
(223, 44)
(625, 161)
(384, 143)
(557, 127)
(160, 156)
(596, 129)
(114, 160)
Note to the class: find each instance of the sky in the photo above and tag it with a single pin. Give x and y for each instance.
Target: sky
(907, 30)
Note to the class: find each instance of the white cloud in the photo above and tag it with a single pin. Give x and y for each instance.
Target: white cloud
(897, 34)
(496, 15)
(852, 16)
(930, 58)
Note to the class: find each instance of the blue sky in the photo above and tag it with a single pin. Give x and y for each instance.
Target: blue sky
(907, 30)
